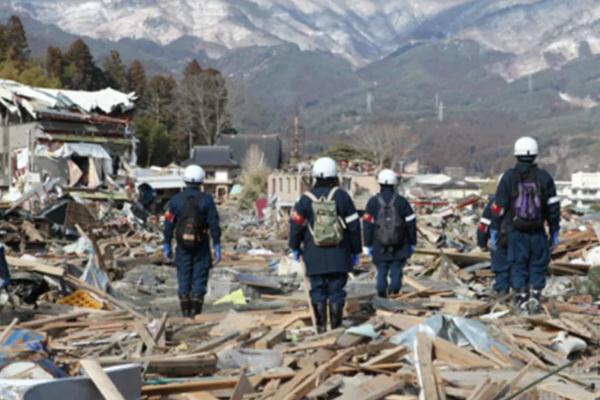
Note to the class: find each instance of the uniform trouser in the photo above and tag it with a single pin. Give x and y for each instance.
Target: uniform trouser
(501, 269)
(393, 270)
(193, 267)
(528, 256)
(4, 274)
(328, 287)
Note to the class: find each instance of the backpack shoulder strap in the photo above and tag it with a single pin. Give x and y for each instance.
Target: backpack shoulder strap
(310, 195)
(332, 193)
(380, 200)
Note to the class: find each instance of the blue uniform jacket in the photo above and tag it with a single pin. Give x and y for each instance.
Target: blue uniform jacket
(483, 229)
(208, 212)
(325, 260)
(410, 225)
(502, 203)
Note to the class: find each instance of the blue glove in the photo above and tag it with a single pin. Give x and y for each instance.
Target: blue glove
(356, 260)
(411, 249)
(493, 239)
(296, 254)
(555, 240)
(168, 251)
(218, 255)
(4, 283)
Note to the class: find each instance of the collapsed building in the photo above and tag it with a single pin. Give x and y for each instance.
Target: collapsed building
(77, 137)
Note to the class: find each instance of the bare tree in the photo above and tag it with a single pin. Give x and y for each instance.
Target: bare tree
(202, 107)
(388, 142)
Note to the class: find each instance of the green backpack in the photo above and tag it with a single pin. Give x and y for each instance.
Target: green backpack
(327, 229)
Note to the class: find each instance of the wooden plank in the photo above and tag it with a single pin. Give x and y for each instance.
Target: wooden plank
(7, 331)
(321, 374)
(102, 381)
(44, 321)
(35, 266)
(199, 396)
(242, 388)
(387, 356)
(424, 367)
(566, 391)
(374, 389)
(458, 357)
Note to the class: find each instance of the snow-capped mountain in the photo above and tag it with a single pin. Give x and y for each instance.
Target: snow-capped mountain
(358, 30)
(540, 33)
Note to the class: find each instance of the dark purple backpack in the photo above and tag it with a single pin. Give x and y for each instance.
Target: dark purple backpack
(527, 203)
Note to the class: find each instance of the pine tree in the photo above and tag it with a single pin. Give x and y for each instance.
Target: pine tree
(17, 48)
(81, 72)
(55, 63)
(3, 43)
(115, 71)
(159, 97)
(192, 69)
(137, 78)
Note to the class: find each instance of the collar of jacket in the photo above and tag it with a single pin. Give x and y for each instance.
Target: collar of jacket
(524, 167)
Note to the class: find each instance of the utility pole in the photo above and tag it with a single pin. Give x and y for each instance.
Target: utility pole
(441, 112)
(295, 148)
(370, 102)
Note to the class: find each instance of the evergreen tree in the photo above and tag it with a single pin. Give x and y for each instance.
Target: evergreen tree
(137, 78)
(159, 98)
(3, 43)
(192, 69)
(17, 48)
(55, 63)
(115, 71)
(81, 72)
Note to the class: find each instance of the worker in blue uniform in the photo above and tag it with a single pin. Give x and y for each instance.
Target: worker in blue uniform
(527, 203)
(325, 232)
(4, 273)
(390, 233)
(192, 215)
(500, 264)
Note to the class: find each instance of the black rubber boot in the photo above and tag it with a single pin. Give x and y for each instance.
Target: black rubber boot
(381, 294)
(186, 305)
(336, 311)
(534, 304)
(520, 298)
(196, 305)
(320, 316)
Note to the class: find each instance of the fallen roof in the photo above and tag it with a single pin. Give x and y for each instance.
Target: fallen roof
(212, 156)
(35, 100)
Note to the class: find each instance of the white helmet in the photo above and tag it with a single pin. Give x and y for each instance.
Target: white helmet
(193, 174)
(324, 168)
(526, 146)
(387, 177)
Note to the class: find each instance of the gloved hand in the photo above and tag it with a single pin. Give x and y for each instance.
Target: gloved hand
(554, 240)
(4, 283)
(493, 239)
(218, 255)
(411, 249)
(370, 251)
(297, 254)
(356, 260)
(168, 251)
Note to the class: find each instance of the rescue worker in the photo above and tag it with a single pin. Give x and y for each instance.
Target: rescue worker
(500, 265)
(390, 232)
(192, 215)
(526, 202)
(4, 273)
(325, 232)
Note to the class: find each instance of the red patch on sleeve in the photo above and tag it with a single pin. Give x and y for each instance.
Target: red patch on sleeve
(496, 209)
(297, 218)
(368, 218)
(169, 216)
(483, 228)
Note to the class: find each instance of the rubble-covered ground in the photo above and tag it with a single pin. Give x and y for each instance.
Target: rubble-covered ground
(92, 290)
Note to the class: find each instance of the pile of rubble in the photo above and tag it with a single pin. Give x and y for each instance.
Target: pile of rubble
(93, 310)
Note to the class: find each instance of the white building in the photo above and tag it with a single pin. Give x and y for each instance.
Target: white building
(585, 187)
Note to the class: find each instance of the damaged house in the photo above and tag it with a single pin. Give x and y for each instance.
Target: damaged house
(78, 137)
